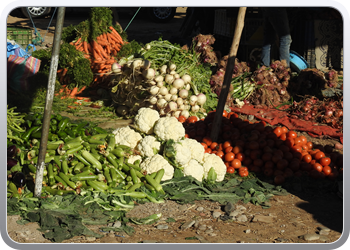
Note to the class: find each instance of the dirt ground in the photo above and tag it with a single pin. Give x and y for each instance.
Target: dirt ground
(311, 213)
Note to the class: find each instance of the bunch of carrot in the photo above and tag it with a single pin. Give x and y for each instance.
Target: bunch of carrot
(101, 52)
(65, 92)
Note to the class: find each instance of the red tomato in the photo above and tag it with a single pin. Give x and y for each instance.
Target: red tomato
(214, 146)
(236, 163)
(283, 136)
(230, 170)
(220, 154)
(292, 134)
(279, 179)
(208, 150)
(242, 169)
(237, 149)
(325, 161)
(244, 173)
(192, 119)
(229, 157)
(205, 146)
(277, 131)
(303, 139)
(319, 155)
(240, 156)
(318, 167)
(207, 140)
(284, 129)
(182, 119)
(224, 113)
(307, 158)
(310, 145)
(327, 170)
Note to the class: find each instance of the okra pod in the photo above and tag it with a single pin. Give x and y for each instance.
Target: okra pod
(133, 166)
(64, 166)
(61, 181)
(78, 167)
(97, 185)
(90, 158)
(54, 145)
(135, 186)
(51, 175)
(73, 150)
(107, 175)
(81, 158)
(66, 179)
(133, 175)
(154, 184)
(83, 178)
(159, 175)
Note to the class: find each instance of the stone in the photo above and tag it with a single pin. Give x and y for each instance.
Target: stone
(117, 224)
(247, 231)
(229, 207)
(109, 240)
(149, 241)
(187, 224)
(323, 228)
(216, 214)
(234, 213)
(162, 226)
(90, 238)
(310, 237)
(323, 232)
(263, 218)
(202, 239)
(242, 218)
(200, 209)
(202, 227)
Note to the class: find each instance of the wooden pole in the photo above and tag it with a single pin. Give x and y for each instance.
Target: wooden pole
(228, 74)
(49, 99)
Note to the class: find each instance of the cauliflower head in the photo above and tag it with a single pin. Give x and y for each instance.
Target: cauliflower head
(183, 154)
(197, 150)
(212, 160)
(194, 169)
(127, 136)
(145, 119)
(155, 163)
(134, 158)
(148, 146)
(169, 128)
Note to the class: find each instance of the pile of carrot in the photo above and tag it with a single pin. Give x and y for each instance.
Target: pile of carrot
(74, 93)
(101, 52)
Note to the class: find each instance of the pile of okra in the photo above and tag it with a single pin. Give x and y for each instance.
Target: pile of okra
(80, 157)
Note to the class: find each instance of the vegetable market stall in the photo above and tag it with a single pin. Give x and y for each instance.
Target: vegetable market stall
(247, 188)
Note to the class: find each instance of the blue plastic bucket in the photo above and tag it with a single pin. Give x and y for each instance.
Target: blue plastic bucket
(297, 62)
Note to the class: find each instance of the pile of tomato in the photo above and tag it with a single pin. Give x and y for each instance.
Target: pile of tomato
(275, 152)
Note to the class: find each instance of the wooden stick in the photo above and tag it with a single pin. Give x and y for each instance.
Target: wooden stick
(228, 74)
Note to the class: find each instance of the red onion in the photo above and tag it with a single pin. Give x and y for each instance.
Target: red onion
(328, 113)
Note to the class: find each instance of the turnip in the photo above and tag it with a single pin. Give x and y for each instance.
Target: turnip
(178, 83)
(183, 93)
(167, 97)
(176, 76)
(173, 91)
(160, 84)
(193, 100)
(179, 101)
(195, 108)
(163, 91)
(176, 113)
(116, 68)
(185, 113)
(159, 78)
(186, 78)
(154, 90)
(163, 69)
(148, 46)
(188, 86)
(153, 100)
(201, 99)
(172, 67)
(181, 107)
(169, 79)
(174, 98)
(148, 73)
(161, 103)
(172, 106)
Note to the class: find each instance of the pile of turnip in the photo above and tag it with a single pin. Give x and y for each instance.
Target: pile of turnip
(137, 84)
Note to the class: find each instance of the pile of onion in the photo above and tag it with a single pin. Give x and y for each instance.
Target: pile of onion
(327, 111)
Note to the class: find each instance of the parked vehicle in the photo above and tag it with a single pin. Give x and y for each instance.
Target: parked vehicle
(157, 14)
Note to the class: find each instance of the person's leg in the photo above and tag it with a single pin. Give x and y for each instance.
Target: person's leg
(268, 40)
(280, 23)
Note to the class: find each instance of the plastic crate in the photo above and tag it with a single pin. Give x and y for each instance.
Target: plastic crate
(22, 36)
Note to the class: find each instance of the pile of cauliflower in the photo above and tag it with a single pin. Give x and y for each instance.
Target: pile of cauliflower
(150, 134)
